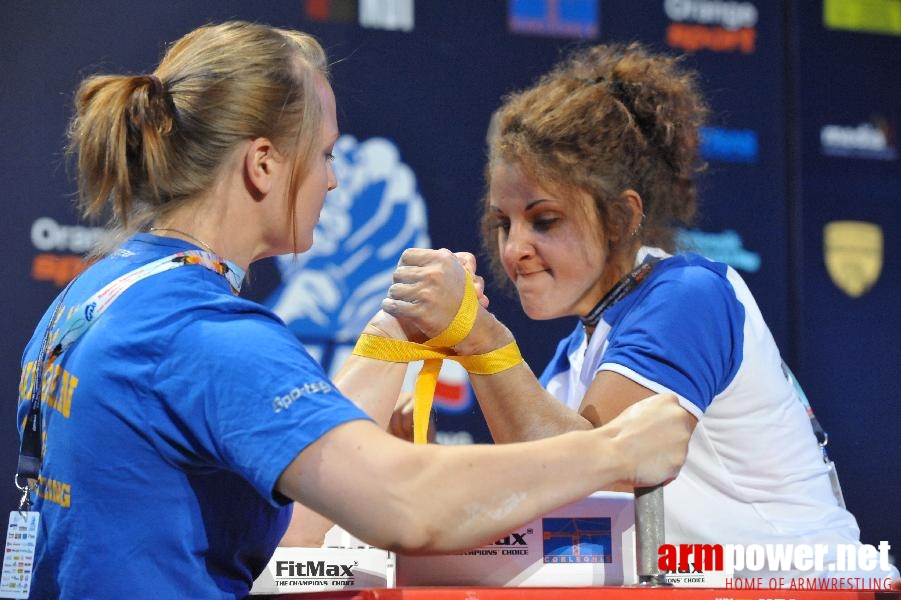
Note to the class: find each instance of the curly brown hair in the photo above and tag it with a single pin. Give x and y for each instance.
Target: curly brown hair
(604, 120)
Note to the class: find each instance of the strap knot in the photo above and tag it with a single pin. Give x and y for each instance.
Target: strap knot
(434, 351)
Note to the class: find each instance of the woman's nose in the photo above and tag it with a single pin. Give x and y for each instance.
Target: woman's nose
(518, 244)
(332, 180)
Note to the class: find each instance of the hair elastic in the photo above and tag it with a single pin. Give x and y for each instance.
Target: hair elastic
(158, 89)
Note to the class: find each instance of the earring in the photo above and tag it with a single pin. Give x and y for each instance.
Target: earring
(640, 224)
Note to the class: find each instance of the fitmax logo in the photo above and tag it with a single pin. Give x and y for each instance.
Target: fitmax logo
(310, 568)
(514, 539)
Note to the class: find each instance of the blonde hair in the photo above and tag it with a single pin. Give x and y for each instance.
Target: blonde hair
(146, 143)
(607, 119)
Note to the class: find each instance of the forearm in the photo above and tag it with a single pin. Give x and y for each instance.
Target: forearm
(517, 408)
(525, 481)
(307, 528)
(434, 499)
(373, 385)
(515, 405)
(415, 491)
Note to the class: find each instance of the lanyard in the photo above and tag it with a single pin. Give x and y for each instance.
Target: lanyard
(29, 464)
(78, 320)
(619, 291)
(86, 314)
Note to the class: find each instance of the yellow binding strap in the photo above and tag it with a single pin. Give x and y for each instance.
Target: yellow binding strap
(434, 351)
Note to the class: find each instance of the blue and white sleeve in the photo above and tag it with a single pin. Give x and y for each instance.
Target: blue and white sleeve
(684, 334)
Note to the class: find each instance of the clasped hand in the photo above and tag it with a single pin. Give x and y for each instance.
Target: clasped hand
(428, 289)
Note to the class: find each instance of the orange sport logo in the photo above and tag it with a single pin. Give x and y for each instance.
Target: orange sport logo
(60, 250)
(714, 25)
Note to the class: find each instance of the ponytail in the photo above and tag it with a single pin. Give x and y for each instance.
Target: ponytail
(119, 136)
(144, 144)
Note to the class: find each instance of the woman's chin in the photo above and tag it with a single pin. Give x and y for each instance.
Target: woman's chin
(538, 313)
(297, 246)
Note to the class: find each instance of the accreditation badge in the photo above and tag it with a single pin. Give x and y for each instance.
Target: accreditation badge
(18, 561)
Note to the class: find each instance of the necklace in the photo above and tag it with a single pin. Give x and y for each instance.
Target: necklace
(623, 287)
(232, 272)
(203, 244)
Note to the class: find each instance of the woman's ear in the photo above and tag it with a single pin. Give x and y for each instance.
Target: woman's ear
(635, 207)
(261, 160)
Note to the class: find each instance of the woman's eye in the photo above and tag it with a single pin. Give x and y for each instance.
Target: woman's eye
(544, 224)
(502, 224)
(329, 157)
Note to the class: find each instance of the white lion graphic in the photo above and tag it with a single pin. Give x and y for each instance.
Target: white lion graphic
(329, 292)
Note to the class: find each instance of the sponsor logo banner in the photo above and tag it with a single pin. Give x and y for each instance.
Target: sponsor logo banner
(713, 25)
(725, 247)
(331, 11)
(874, 140)
(60, 249)
(393, 15)
(577, 540)
(729, 145)
(853, 254)
(555, 18)
(322, 569)
(868, 16)
(514, 544)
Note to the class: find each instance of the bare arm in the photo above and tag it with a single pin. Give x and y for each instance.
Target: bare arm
(518, 408)
(432, 499)
(356, 380)
(521, 409)
(610, 394)
(515, 405)
(308, 528)
(374, 385)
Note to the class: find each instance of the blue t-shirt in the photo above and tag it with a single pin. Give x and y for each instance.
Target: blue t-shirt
(754, 473)
(168, 424)
(681, 329)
